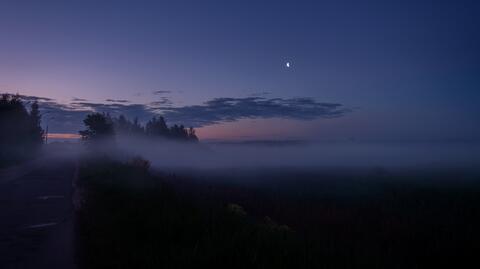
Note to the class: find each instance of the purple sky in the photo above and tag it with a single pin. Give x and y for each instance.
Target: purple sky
(397, 70)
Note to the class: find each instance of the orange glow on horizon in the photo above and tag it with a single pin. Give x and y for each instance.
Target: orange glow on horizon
(253, 129)
(63, 136)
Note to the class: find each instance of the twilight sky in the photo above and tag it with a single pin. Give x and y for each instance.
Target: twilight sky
(364, 70)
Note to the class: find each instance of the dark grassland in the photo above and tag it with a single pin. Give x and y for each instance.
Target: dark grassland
(134, 220)
(284, 219)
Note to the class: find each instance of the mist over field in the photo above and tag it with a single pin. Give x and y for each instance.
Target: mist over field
(297, 154)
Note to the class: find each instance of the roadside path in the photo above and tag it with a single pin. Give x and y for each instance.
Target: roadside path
(36, 215)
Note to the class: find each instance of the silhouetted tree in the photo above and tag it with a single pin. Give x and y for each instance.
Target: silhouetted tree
(125, 126)
(137, 128)
(21, 133)
(192, 135)
(36, 131)
(178, 132)
(99, 127)
(157, 127)
(122, 124)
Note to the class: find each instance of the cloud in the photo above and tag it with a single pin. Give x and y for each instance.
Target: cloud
(68, 118)
(117, 101)
(220, 110)
(62, 118)
(163, 101)
(161, 92)
(143, 112)
(75, 99)
(259, 94)
(29, 98)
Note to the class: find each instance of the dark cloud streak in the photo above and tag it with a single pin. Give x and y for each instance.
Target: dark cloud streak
(164, 101)
(220, 110)
(117, 101)
(161, 92)
(69, 117)
(75, 99)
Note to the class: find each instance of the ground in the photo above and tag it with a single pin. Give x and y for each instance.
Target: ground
(36, 213)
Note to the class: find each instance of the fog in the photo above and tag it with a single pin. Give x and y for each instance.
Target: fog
(166, 154)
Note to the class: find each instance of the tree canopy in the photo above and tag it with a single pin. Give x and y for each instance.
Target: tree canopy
(101, 126)
(21, 133)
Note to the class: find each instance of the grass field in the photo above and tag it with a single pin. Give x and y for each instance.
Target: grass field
(137, 219)
(134, 220)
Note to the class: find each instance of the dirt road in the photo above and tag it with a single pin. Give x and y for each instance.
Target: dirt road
(36, 215)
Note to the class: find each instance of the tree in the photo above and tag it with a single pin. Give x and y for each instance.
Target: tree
(136, 127)
(125, 126)
(178, 132)
(36, 131)
(21, 133)
(157, 127)
(122, 124)
(99, 127)
(191, 134)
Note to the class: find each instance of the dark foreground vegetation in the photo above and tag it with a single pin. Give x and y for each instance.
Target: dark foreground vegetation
(133, 219)
(20, 133)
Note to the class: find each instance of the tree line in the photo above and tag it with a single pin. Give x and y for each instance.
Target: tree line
(21, 134)
(101, 126)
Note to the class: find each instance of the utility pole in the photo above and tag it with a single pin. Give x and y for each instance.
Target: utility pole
(46, 136)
